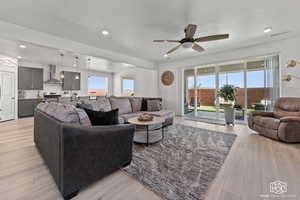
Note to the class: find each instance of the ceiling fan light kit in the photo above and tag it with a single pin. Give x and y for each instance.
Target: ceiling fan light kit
(190, 42)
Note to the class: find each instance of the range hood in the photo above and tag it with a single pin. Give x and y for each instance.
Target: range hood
(52, 76)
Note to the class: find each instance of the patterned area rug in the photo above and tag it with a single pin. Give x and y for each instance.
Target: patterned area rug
(184, 164)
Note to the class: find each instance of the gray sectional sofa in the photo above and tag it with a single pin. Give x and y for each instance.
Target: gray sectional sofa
(77, 153)
(130, 107)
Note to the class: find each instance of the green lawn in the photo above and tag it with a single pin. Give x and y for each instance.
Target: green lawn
(213, 109)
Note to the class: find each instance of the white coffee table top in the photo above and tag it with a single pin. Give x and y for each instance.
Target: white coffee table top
(156, 120)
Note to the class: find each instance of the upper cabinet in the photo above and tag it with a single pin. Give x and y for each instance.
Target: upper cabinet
(30, 78)
(71, 80)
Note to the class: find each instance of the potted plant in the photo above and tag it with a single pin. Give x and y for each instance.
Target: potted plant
(228, 94)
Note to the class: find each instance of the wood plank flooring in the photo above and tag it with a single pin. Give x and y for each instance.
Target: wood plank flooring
(253, 162)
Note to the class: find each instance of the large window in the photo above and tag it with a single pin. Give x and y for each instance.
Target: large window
(256, 80)
(127, 86)
(97, 86)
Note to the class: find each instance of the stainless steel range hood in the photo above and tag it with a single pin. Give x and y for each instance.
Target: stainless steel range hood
(53, 79)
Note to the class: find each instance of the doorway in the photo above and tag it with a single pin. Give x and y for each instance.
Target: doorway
(7, 96)
(256, 81)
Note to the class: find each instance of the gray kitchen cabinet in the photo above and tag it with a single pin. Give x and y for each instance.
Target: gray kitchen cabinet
(24, 78)
(30, 78)
(38, 79)
(70, 82)
(26, 107)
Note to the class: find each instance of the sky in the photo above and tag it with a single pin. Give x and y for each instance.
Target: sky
(128, 84)
(255, 79)
(97, 82)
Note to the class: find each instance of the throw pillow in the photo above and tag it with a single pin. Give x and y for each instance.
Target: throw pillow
(136, 104)
(85, 106)
(153, 105)
(99, 118)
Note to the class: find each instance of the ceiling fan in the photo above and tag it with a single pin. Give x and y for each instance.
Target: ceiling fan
(189, 41)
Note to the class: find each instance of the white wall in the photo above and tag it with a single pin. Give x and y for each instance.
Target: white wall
(145, 82)
(287, 49)
(58, 88)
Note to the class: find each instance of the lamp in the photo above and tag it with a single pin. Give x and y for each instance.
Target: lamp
(292, 63)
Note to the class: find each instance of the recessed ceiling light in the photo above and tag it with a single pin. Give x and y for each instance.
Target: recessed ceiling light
(267, 30)
(105, 32)
(22, 46)
(166, 55)
(19, 57)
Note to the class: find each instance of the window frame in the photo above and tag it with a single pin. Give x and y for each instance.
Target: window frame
(107, 84)
(122, 84)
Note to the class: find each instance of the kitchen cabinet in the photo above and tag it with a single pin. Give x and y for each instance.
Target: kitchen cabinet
(30, 78)
(71, 80)
(26, 107)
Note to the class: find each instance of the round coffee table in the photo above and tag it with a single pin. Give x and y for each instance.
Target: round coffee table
(149, 136)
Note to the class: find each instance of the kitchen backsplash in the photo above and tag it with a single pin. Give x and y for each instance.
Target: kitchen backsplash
(28, 94)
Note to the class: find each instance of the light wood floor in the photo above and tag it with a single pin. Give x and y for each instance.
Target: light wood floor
(252, 163)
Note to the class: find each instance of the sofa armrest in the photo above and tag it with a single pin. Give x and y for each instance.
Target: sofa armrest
(262, 113)
(290, 119)
(90, 153)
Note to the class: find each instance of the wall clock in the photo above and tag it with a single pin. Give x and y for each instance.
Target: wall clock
(167, 78)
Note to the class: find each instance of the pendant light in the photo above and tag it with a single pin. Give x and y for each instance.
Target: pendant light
(62, 76)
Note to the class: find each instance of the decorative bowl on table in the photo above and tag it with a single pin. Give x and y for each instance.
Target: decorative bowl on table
(145, 117)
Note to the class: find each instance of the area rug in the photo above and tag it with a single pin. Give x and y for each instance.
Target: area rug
(209, 121)
(184, 164)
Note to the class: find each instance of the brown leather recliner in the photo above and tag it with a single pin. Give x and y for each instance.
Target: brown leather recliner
(282, 124)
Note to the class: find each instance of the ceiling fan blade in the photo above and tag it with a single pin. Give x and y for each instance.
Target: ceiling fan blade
(212, 38)
(174, 49)
(165, 40)
(197, 47)
(190, 30)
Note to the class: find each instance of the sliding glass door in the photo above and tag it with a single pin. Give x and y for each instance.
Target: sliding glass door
(233, 74)
(256, 80)
(206, 92)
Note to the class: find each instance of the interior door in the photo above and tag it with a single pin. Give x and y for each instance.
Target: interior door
(7, 96)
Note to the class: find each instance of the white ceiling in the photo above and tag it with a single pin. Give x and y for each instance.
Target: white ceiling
(133, 24)
(37, 54)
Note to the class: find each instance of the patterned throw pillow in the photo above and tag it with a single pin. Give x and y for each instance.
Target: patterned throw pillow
(136, 104)
(101, 104)
(153, 105)
(83, 117)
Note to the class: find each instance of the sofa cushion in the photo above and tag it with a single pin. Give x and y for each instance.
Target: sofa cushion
(65, 113)
(162, 113)
(127, 116)
(101, 104)
(123, 104)
(267, 122)
(280, 114)
(153, 105)
(99, 118)
(136, 104)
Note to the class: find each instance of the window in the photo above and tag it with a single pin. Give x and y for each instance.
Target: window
(127, 86)
(97, 86)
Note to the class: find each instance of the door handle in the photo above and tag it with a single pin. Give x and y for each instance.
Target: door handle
(13, 98)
